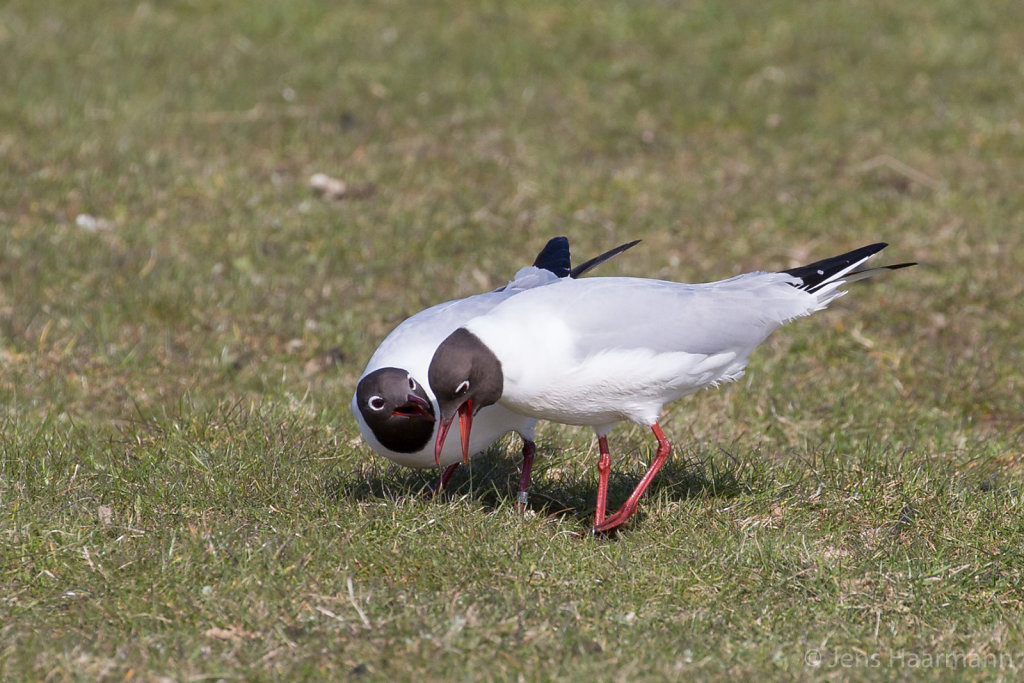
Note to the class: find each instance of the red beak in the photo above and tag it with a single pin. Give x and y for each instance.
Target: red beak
(465, 424)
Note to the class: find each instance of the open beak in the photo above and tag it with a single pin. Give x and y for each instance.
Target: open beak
(414, 407)
(465, 424)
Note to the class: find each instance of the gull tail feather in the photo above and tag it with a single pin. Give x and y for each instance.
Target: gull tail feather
(598, 260)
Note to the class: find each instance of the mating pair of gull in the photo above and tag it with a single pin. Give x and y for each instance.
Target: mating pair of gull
(594, 351)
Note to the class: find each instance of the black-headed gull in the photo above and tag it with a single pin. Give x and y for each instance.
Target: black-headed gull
(396, 410)
(608, 349)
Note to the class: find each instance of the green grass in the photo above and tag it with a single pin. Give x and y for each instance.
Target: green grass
(184, 495)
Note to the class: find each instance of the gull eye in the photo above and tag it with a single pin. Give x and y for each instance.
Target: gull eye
(462, 388)
(377, 403)
(412, 384)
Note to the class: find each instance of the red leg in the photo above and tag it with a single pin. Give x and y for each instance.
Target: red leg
(446, 477)
(604, 467)
(529, 448)
(629, 507)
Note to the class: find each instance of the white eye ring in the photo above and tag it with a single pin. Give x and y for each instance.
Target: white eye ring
(412, 384)
(462, 388)
(376, 403)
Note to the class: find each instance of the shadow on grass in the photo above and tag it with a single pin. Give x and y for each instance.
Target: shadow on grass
(492, 481)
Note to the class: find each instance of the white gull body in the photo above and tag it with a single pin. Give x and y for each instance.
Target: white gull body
(603, 350)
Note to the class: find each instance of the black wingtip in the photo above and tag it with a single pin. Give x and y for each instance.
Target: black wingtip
(598, 260)
(555, 257)
(816, 274)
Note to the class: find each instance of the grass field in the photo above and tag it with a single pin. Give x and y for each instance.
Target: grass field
(184, 494)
